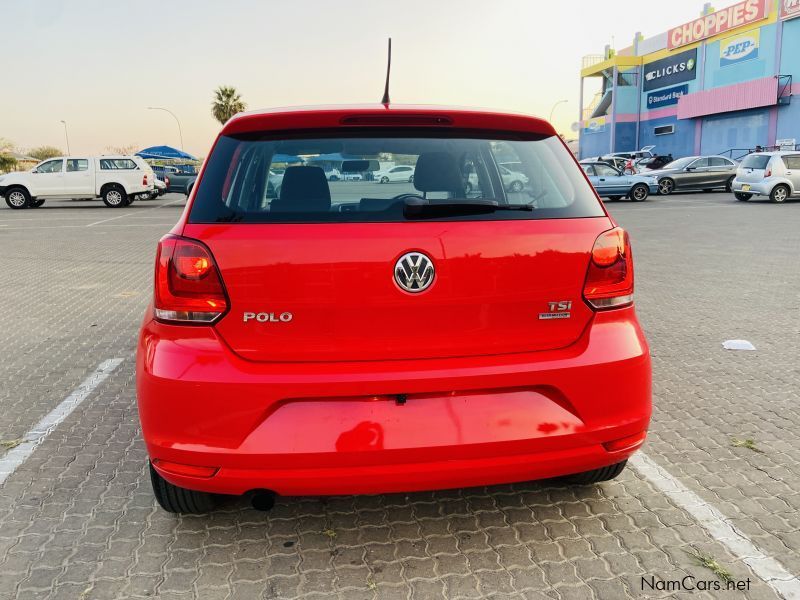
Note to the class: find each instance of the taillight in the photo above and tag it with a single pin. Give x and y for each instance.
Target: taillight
(166, 180)
(768, 173)
(188, 286)
(144, 180)
(609, 279)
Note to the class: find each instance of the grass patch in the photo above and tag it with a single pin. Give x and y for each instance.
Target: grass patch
(710, 563)
(9, 444)
(749, 443)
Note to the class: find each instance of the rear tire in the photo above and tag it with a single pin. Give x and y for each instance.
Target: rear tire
(114, 196)
(780, 193)
(729, 184)
(384, 179)
(175, 499)
(639, 192)
(742, 196)
(17, 198)
(596, 475)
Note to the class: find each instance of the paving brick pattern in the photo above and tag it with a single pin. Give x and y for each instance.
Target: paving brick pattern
(78, 519)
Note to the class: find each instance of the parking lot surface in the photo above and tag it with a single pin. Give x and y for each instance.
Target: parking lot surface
(78, 519)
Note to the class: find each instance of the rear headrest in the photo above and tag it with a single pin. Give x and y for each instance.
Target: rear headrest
(303, 189)
(438, 172)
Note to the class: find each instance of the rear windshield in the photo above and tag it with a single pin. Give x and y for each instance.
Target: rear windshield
(756, 161)
(375, 176)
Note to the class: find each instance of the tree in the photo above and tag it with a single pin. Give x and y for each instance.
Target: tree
(45, 152)
(7, 162)
(123, 150)
(227, 102)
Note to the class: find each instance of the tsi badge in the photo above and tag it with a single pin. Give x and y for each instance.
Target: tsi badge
(557, 310)
(265, 317)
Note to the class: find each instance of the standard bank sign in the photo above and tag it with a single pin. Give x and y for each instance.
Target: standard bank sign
(670, 70)
(666, 97)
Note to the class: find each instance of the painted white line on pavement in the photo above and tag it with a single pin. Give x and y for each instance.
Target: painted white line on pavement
(137, 212)
(18, 455)
(719, 527)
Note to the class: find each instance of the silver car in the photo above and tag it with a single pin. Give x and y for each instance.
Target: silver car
(772, 174)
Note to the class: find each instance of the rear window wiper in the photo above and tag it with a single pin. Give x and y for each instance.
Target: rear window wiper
(456, 208)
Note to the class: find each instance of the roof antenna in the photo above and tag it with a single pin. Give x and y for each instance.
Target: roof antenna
(385, 99)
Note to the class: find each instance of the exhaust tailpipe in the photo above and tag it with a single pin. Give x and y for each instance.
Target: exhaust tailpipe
(262, 500)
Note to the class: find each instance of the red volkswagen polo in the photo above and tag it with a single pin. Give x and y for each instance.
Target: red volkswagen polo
(469, 323)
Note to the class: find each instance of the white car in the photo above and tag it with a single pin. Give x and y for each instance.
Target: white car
(513, 181)
(159, 189)
(333, 174)
(772, 174)
(400, 173)
(118, 180)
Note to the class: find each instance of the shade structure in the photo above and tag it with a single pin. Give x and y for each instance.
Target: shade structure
(165, 153)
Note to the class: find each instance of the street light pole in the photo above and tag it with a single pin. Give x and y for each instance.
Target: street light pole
(552, 110)
(66, 136)
(180, 133)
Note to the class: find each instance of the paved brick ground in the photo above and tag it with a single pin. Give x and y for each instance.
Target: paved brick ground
(78, 520)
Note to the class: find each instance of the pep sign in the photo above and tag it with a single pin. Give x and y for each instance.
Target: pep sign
(717, 22)
(738, 49)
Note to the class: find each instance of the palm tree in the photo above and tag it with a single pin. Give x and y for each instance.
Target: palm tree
(227, 102)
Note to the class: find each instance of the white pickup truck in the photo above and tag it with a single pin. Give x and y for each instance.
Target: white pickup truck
(115, 179)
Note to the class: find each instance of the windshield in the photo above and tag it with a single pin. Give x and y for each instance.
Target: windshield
(756, 161)
(377, 176)
(681, 163)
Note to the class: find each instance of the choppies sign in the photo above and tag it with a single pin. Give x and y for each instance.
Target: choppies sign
(717, 22)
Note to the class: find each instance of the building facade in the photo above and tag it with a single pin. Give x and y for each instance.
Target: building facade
(724, 83)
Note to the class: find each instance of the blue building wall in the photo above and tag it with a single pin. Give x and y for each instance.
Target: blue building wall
(680, 143)
(594, 143)
(742, 129)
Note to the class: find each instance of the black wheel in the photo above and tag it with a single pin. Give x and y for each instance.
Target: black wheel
(596, 475)
(179, 500)
(742, 196)
(18, 198)
(468, 187)
(729, 184)
(384, 179)
(36, 203)
(516, 186)
(615, 198)
(780, 193)
(666, 186)
(114, 196)
(411, 179)
(639, 192)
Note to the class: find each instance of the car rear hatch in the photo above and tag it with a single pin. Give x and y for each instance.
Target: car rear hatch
(311, 275)
(493, 287)
(753, 168)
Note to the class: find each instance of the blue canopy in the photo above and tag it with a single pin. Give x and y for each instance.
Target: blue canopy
(335, 157)
(164, 153)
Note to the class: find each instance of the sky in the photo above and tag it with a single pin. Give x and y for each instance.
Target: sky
(98, 64)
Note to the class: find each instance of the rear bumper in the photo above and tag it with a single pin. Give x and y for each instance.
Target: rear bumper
(338, 428)
(759, 188)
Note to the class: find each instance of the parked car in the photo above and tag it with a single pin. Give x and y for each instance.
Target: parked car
(333, 174)
(653, 162)
(118, 180)
(645, 152)
(513, 181)
(399, 173)
(159, 189)
(707, 173)
(610, 183)
(617, 162)
(179, 178)
(772, 174)
(394, 343)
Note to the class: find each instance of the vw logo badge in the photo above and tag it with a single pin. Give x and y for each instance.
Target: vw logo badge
(414, 272)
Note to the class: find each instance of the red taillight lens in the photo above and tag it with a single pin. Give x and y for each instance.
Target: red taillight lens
(609, 279)
(166, 180)
(768, 173)
(144, 180)
(188, 286)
